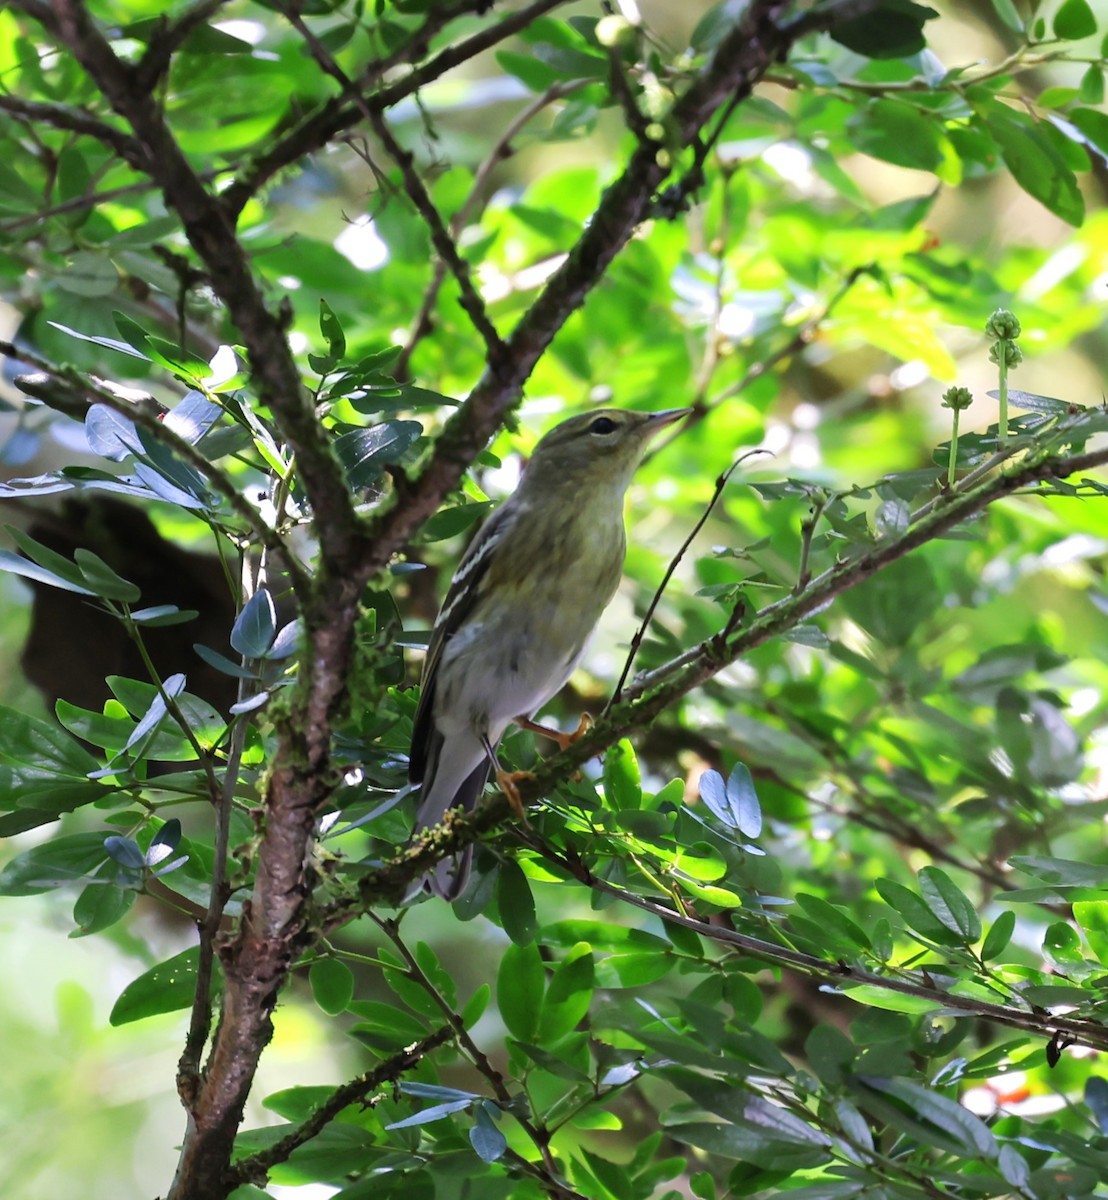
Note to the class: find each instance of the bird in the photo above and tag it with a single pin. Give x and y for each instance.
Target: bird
(519, 611)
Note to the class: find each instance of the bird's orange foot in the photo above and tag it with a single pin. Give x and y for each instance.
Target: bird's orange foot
(563, 739)
(508, 782)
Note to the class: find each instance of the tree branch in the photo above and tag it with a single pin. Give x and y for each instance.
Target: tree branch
(422, 325)
(336, 115)
(210, 233)
(167, 40)
(255, 1167)
(440, 236)
(655, 692)
(76, 120)
(1082, 1031)
(742, 58)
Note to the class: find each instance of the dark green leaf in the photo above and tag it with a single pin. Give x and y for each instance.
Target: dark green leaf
(222, 663)
(515, 903)
(949, 904)
(916, 913)
(100, 906)
(1094, 125)
(165, 988)
(29, 570)
(332, 332)
(365, 452)
(893, 30)
(56, 863)
(1096, 1097)
(999, 935)
(927, 1114)
(255, 626)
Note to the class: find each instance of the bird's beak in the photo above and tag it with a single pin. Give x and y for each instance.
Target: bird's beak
(660, 420)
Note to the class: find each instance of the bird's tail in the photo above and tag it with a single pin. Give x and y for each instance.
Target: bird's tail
(449, 877)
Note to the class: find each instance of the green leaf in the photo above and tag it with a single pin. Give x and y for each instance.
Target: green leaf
(916, 913)
(29, 570)
(830, 1053)
(568, 995)
(100, 906)
(751, 1142)
(450, 521)
(838, 927)
(51, 560)
(364, 453)
(949, 904)
(897, 133)
(897, 603)
(167, 987)
(1091, 90)
(1035, 163)
(1093, 124)
(1074, 20)
(520, 984)
(332, 332)
(1062, 945)
(515, 903)
(926, 1114)
(1008, 13)
(892, 30)
(1096, 1097)
(255, 626)
(57, 863)
(999, 935)
(103, 580)
(622, 781)
(332, 984)
(90, 275)
(165, 354)
(1092, 916)
(45, 749)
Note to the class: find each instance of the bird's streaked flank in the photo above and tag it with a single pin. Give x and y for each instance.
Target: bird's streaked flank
(520, 609)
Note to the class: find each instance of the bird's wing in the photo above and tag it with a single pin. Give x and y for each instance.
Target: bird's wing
(462, 595)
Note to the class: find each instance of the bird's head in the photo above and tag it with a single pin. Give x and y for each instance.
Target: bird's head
(598, 447)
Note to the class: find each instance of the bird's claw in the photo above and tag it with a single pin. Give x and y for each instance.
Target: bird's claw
(508, 782)
(563, 740)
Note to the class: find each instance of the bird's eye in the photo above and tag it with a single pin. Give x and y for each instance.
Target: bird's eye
(602, 425)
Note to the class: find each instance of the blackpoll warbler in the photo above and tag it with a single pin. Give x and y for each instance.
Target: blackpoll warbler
(521, 607)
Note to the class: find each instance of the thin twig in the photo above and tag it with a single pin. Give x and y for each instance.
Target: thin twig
(1083, 1031)
(91, 200)
(640, 633)
(440, 236)
(336, 115)
(200, 1019)
(421, 326)
(659, 689)
(254, 1167)
(168, 38)
(76, 120)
